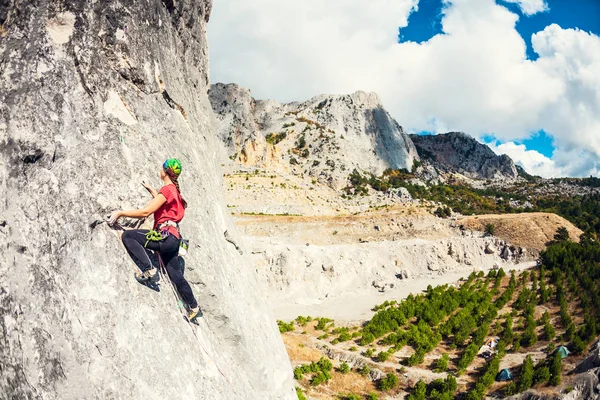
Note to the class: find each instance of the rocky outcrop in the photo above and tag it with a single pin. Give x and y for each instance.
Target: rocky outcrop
(325, 137)
(93, 96)
(458, 152)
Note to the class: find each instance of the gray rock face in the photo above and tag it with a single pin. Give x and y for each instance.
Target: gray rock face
(458, 152)
(325, 137)
(93, 97)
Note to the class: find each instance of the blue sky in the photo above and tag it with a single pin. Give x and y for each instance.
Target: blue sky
(426, 22)
(583, 14)
(520, 75)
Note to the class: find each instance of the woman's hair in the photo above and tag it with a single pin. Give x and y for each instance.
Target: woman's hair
(172, 168)
(174, 180)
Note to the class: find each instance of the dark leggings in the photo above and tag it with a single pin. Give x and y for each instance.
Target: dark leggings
(168, 248)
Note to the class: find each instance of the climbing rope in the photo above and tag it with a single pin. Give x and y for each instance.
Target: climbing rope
(181, 306)
(153, 236)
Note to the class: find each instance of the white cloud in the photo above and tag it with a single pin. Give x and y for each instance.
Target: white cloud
(530, 7)
(474, 78)
(532, 161)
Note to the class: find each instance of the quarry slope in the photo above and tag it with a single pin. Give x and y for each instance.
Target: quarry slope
(93, 97)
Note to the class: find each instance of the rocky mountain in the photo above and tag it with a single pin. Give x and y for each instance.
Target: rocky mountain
(93, 97)
(460, 153)
(325, 137)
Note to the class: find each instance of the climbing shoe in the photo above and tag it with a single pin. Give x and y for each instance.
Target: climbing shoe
(148, 276)
(193, 313)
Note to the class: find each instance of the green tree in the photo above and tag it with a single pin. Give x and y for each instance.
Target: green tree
(510, 389)
(344, 368)
(419, 392)
(364, 370)
(561, 235)
(541, 374)
(490, 229)
(526, 379)
(441, 365)
(389, 382)
(383, 356)
(549, 331)
(555, 369)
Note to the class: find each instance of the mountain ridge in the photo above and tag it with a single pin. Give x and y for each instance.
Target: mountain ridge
(324, 137)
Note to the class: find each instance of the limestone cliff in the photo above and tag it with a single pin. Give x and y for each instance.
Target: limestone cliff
(325, 137)
(458, 152)
(93, 97)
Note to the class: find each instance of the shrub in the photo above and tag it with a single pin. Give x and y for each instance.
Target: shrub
(345, 336)
(372, 396)
(389, 382)
(490, 229)
(344, 368)
(443, 212)
(298, 373)
(285, 327)
(322, 323)
(367, 338)
(364, 370)
(383, 356)
(441, 365)
(350, 396)
(274, 138)
(300, 394)
(302, 321)
(320, 377)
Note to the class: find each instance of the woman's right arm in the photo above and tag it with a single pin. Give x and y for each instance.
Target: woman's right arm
(150, 189)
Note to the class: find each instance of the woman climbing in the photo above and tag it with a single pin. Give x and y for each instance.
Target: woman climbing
(168, 207)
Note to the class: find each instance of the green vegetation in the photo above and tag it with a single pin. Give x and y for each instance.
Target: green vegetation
(526, 379)
(583, 211)
(490, 229)
(344, 368)
(463, 317)
(443, 212)
(441, 365)
(300, 394)
(364, 370)
(274, 138)
(439, 389)
(322, 323)
(389, 382)
(285, 327)
(321, 371)
(350, 396)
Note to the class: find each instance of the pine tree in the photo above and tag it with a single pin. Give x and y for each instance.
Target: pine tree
(526, 379)
(555, 369)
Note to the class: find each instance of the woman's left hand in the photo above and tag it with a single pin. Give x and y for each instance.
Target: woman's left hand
(114, 217)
